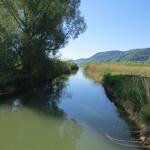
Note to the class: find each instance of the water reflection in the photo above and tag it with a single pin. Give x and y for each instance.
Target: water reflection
(34, 121)
(16, 104)
(73, 114)
(44, 99)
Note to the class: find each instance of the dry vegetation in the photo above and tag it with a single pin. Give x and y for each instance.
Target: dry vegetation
(128, 82)
(98, 70)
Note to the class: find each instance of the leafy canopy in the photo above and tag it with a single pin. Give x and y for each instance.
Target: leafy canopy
(32, 31)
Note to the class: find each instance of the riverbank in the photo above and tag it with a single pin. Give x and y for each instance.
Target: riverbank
(128, 85)
(12, 83)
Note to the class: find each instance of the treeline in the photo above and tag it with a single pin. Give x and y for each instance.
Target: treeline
(14, 82)
(31, 34)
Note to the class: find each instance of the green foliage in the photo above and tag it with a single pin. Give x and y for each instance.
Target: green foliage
(33, 31)
(134, 89)
(22, 81)
(145, 114)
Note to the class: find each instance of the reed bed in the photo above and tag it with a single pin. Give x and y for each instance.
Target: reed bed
(100, 69)
(128, 82)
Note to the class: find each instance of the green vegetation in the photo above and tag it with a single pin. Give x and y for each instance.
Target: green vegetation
(31, 34)
(13, 82)
(135, 55)
(134, 90)
(128, 84)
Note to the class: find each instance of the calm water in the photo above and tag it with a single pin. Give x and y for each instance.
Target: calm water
(75, 114)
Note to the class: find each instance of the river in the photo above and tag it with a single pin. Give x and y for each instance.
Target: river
(74, 114)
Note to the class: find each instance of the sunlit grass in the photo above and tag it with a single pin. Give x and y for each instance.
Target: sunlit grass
(128, 82)
(98, 70)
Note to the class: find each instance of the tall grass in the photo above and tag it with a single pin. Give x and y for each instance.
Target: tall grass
(145, 110)
(135, 90)
(118, 68)
(125, 82)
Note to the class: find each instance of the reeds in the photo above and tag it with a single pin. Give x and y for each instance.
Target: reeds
(128, 82)
(119, 68)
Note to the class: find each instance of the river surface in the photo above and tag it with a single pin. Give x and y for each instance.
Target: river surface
(74, 114)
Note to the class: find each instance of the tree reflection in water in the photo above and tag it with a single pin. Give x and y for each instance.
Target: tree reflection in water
(34, 121)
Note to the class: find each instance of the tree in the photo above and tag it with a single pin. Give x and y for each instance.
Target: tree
(32, 31)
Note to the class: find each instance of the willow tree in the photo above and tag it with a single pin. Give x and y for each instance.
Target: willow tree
(37, 29)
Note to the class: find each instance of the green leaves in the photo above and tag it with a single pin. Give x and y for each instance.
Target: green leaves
(33, 31)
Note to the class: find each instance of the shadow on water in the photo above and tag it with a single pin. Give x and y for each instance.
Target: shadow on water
(26, 130)
(42, 99)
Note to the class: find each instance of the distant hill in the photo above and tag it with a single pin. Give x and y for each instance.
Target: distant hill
(134, 55)
(80, 61)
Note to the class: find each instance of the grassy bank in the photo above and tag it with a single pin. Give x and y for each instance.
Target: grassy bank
(15, 81)
(98, 70)
(132, 91)
(127, 84)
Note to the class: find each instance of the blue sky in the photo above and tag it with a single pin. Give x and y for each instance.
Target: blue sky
(112, 25)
